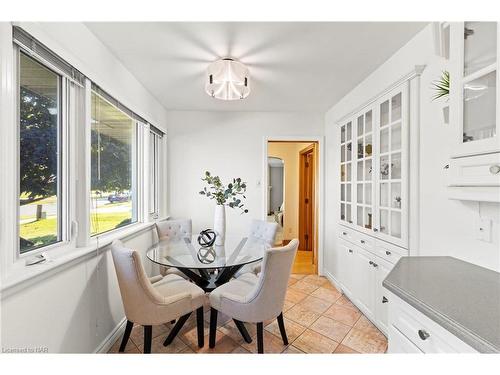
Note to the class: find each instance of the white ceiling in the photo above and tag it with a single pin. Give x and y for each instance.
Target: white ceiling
(294, 66)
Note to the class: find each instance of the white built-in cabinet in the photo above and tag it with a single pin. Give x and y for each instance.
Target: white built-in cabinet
(474, 102)
(374, 168)
(374, 198)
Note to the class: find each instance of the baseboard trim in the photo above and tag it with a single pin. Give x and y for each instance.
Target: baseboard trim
(108, 342)
(333, 280)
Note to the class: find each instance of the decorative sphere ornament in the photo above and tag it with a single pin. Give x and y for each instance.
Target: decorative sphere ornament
(207, 238)
(206, 255)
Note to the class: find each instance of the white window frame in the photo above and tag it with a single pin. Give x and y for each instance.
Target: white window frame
(63, 157)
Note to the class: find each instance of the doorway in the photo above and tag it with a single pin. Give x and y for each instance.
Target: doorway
(292, 175)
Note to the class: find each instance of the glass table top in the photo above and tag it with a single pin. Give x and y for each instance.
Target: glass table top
(187, 253)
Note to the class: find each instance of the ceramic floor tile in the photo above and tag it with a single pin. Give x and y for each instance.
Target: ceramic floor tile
(316, 305)
(345, 302)
(342, 314)
(293, 330)
(272, 344)
(287, 305)
(137, 334)
(232, 331)
(330, 328)
(221, 318)
(240, 350)
(342, 349)
(304, 287)
(187, 350)
(130, 348)
(223, 344)
(302, 315)
(297, 276)
(330, 295)
(157, 346)
(291, 281)
(364, 323)
(294, 296)
(316, 280)
(292, 350)
(313, 342)
(365, 341)
(190, 337)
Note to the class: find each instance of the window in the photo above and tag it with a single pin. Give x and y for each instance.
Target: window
(113, 167)
(155, 139)
(39, 155)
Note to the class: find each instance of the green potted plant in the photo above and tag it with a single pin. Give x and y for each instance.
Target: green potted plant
(441, 89)
(231, 195)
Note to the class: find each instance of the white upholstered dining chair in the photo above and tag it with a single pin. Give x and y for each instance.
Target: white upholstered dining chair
(264, 231)
(154, 301)
(255, 299)
(173, 230)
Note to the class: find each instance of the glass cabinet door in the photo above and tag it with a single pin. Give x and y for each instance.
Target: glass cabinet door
(364, 170)
(475, 94)
(392, 159)
(346, 161)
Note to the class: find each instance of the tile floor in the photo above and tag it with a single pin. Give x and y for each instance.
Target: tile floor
(318, 319)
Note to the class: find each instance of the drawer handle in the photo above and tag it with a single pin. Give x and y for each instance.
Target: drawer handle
(495, 169)
(387, 252)
(350, 251)
(362, 241)
(375, 229)
(371, 263)
(424, 335)
(375, 265)
(384, 299)
(344, 233)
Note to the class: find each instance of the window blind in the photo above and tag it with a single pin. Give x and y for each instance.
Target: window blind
(33, 46)
(155, 130)
(116, 103)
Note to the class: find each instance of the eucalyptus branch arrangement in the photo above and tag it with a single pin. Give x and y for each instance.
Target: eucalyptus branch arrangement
(230, 195)
(442, 86)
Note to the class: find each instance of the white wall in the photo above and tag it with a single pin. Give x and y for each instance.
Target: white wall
(75, 307)
(229, 144)
(446, 226)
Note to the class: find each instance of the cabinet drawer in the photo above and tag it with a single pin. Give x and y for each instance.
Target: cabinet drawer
(427, 335)
(481, 170)
(389, 252)
(399, 343)
(347, 234)
(364, 241)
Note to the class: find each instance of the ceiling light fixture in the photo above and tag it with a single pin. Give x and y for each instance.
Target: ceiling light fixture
(227, 80)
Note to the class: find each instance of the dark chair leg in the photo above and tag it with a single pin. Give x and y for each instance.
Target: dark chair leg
(260, 338)
(199, 326)
(175, 330)
(281, 325)
(126, 336)
(243, 331)
(148, 337)
(213, 328)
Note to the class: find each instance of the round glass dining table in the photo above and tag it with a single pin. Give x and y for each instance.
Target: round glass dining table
(208, 267)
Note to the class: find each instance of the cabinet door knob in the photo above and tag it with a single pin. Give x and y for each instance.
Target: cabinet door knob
(370, 262)
(424, 335)
(387, 252)
(375, 265)
(495, 169)
(344, 233)
(362, 241)
(375, 229)
(384, 299)
(350, 251)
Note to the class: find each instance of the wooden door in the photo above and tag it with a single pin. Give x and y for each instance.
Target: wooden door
(306, 198)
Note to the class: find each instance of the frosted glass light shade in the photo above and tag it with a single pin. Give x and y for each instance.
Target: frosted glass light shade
(227, 80)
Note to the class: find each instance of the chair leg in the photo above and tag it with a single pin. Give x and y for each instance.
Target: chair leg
(213, 328)
(281, 325)
(126, 336)
(243, 331)
(148, 337)
(260, 338)
(175, 330)
(199, 326)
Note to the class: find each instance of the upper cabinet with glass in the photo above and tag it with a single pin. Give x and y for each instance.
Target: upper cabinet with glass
(473, 87)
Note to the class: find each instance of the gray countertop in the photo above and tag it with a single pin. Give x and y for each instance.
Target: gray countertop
(461, 297)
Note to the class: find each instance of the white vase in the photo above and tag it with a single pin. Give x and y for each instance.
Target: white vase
(220, 224)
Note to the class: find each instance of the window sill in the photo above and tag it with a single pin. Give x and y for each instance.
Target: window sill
(20, 275)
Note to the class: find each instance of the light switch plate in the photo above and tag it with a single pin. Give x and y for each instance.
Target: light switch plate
(483, 230)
